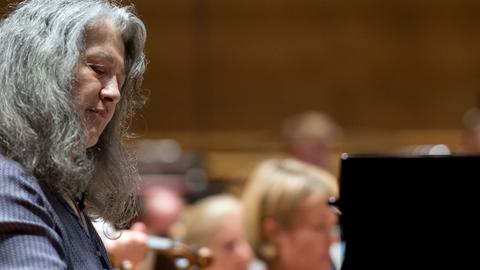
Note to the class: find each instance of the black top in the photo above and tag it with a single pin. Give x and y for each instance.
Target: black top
(38, 230)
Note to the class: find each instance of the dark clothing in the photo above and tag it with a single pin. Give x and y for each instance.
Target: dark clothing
(38, 229)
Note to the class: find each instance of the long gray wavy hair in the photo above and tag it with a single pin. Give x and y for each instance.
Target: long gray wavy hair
(41, 45)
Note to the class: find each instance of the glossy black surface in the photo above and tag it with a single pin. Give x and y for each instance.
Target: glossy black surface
(410, 212)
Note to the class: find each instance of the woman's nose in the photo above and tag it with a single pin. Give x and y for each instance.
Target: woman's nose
(111, 91)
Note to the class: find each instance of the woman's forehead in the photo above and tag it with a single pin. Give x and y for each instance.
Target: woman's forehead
(313, 207)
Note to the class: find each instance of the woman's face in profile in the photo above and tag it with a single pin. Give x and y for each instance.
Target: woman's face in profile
(305, 244)
(229, 246)
(99, 78)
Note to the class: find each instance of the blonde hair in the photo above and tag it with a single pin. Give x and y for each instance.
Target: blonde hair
(276, 189)
(201, 221)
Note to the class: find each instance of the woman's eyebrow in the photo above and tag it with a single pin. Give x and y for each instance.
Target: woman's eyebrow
(108, 58)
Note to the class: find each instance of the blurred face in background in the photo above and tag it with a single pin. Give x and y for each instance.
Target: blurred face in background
(305, 244)
(229, 246)
(162, 207)
(312, 151)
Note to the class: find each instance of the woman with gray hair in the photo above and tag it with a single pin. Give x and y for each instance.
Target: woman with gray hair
(70, 73)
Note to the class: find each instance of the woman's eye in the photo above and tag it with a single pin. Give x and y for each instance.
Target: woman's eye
(97, 69)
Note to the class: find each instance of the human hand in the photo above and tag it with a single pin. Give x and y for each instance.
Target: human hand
(131, 248)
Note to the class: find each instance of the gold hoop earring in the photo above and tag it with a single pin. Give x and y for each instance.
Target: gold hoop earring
(268, 251)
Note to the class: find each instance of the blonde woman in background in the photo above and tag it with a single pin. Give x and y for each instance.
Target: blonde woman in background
(216, 222)
(288, 220)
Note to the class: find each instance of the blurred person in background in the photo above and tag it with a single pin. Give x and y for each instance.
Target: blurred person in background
(425, 150)
(160, 198)
(160, 208)
(311, 137)
(471, 131)
(216, 222)
(289, 223)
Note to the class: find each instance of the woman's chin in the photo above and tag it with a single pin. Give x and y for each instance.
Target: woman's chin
(92, 141)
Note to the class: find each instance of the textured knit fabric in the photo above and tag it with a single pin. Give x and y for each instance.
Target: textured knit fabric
(38, 230)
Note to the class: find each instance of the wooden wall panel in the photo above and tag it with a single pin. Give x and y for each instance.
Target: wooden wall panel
(371, 64)
(246, 65)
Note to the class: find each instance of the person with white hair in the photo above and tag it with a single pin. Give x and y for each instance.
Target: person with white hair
(70, 73)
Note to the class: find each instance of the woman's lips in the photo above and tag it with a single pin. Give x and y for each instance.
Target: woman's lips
(99, 111)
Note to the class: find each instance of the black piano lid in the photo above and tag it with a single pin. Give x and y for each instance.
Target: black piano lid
(409, 212)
